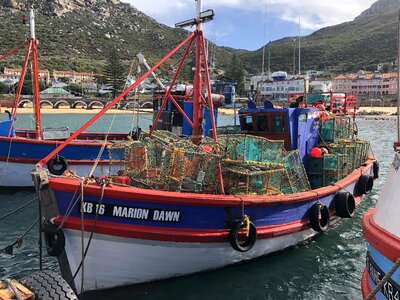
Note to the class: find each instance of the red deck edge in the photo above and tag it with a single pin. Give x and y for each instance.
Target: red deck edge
(70, 162)
(86, 143)
(365, 287)
(382, 240)
(137, 194)
(177, 234)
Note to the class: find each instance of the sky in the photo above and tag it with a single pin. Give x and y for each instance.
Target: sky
(249, 24)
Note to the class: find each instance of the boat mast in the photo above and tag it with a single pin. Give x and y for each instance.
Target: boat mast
(197, 100)
(35, 77)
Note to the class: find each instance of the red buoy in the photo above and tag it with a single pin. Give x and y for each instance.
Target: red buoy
(316, 152)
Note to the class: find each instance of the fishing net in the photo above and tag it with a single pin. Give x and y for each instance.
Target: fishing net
(295, 179)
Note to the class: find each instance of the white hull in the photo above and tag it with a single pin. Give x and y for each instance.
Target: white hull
(116, 261)
(19, 174)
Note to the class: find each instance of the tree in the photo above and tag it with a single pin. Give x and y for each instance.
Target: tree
(3, 88)
(114, 72)
(235, 73)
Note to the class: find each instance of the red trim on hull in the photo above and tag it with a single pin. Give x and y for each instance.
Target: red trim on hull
(86, 143)
(70, 162)
(177, 235)
(382, 240)
(365, 287)
(131, 193)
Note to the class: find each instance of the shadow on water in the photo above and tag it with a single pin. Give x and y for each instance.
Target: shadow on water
(328, 267)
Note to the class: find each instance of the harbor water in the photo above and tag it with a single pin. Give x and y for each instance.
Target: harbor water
(328, 267)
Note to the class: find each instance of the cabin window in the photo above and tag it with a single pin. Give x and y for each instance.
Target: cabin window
(248, 123)
(278, 124)
(262, 123)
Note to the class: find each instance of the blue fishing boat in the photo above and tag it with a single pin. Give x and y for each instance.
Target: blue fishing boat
(190, 204)
(21, 148)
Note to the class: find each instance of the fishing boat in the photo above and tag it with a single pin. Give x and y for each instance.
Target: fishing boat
(190, 204)
(381, 228)
(21, 148)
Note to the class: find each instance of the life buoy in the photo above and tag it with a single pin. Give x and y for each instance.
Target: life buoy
(54, 239)
(57, 165)
(364, 184)
(319, 217)
(345, 204)
(375, 169)
(235, 241)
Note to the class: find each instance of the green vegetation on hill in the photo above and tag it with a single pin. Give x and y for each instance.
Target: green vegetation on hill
(76, 35)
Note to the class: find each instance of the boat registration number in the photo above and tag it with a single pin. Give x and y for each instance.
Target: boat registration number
(391, 289)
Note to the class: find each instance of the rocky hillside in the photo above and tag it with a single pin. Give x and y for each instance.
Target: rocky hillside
(369, 39)
(76, 34)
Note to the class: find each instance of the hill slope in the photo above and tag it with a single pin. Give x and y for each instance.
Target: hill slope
(76, 34)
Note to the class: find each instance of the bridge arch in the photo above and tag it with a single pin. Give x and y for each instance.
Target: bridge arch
(147, 104)
(131, 104)
(44, 102)
(23, 103)
(93, 103)
(76, 103)
(57, 104)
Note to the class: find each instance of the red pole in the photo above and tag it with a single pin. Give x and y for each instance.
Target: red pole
(168, 94)
(42, 162)
(20, 84)
(13, 51)
(35, 84)
(211, 106)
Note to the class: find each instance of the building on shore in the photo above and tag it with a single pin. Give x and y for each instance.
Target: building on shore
(14, 75)
(366, 84)
(75, 77)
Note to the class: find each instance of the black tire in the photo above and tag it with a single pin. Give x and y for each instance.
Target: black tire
(375, 169)
(54, 239)
(48, 285)
(57, 165)
(364, 184)
(345, 204)
(319, 217)
(248, 243)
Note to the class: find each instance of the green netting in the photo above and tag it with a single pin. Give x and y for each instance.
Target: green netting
(328, 169)
(295, 179)
(248, 148)
(242, 178)
(335, 128)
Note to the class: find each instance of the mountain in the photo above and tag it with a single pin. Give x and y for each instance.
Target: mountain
(77, 34)
(361, 44)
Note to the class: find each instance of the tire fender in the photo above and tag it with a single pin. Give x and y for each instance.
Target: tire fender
(319, 217)
(375, 169)
(54, 239)
(345, 204)
(57, 165)
(364, 184)
(235, 241)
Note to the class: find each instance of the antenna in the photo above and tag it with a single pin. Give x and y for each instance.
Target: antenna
(299, 44)
(203, 17)
(263, 52)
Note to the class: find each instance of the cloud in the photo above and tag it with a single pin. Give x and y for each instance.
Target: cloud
(314, 14)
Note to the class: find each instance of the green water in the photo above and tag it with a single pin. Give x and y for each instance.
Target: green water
(328, 267)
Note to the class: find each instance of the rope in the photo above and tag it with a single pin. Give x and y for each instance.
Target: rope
(81, 264)
(82, 238)
(14, 289)
(102, 147)
(384, 280)
(6, 165)
(18, 241)
(18, 209)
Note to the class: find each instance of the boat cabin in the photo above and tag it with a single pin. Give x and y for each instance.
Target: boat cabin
(297, 127)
